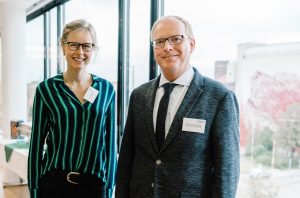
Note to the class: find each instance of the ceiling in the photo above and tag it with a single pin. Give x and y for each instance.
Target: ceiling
(31, 5)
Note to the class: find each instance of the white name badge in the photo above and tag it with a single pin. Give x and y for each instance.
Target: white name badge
(193, 125)
(91, 94)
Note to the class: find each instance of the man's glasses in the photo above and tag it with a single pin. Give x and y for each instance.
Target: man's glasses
(173, 40)
(86, 47)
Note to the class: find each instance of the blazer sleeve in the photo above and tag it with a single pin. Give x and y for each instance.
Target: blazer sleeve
(226, 155)
(126, 156)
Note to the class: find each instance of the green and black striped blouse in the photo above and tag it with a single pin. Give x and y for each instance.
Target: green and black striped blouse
(79, 137)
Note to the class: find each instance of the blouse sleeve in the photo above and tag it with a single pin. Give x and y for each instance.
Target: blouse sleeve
(38, 134)
(111, 147)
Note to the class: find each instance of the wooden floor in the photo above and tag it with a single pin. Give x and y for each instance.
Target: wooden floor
(16, 191)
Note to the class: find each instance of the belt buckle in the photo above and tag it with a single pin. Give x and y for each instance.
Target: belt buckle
(69, 178)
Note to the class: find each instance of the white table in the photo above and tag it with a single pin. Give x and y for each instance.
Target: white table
(17, 162)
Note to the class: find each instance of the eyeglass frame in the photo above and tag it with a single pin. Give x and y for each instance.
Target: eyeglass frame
(168, 39)
(78, 45)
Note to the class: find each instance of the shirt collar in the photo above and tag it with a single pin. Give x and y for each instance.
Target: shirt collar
(60, 78)
(185, 79)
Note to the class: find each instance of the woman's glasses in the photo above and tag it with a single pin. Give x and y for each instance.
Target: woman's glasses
(86, 47)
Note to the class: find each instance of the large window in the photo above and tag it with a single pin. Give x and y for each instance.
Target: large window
(54, 42)
(253, 47)
(139, 42)
(42, 48)
(34, 59)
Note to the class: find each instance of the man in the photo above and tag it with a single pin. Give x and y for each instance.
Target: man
(198, 156)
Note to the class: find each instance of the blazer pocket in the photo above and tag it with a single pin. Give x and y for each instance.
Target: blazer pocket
(192, 135)
(191, 194)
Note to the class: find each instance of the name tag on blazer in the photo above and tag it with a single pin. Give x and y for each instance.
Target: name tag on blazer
(193, 125)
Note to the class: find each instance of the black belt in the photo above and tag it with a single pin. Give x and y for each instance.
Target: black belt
(75, 177)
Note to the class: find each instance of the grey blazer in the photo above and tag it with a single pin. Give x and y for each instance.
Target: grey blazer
(189, 164)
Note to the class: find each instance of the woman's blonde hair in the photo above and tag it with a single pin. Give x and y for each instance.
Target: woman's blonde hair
(78, 25)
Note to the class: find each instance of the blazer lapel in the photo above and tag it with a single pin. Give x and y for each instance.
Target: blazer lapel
(150, 98)
(193, 93)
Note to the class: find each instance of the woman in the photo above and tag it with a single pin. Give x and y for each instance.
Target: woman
(73, 141)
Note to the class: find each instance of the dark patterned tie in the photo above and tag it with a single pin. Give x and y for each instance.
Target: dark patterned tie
(161, 114)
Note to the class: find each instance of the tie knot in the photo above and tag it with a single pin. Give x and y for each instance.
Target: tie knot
(168, 87)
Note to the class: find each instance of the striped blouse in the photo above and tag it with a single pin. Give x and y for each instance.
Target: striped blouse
(78, 137)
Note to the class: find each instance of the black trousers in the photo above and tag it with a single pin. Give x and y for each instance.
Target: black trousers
(55, 185)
